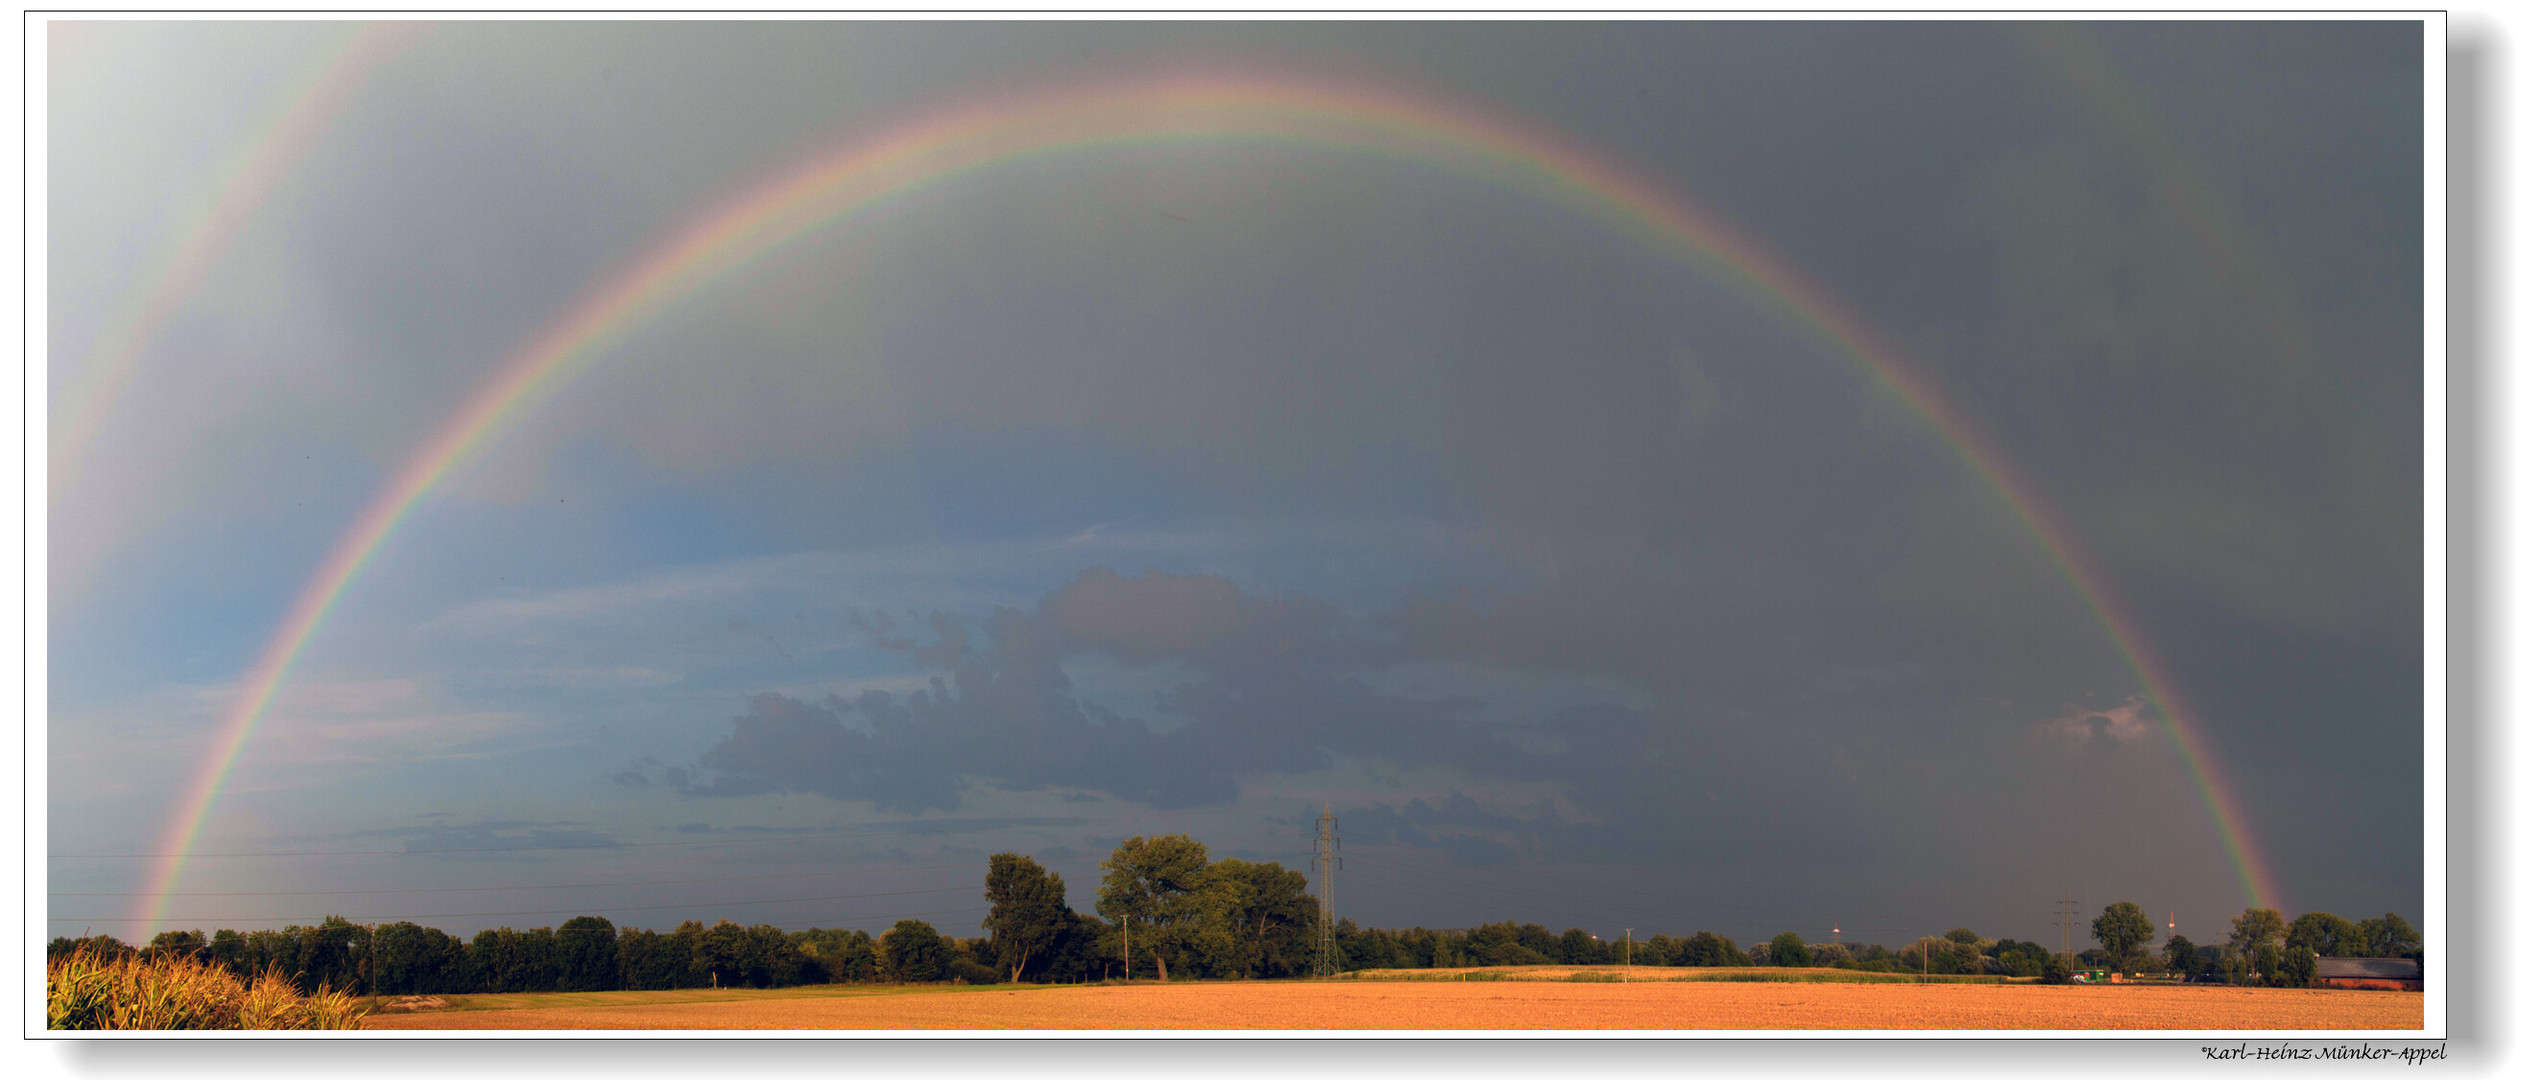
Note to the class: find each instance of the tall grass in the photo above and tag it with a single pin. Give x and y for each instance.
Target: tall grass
(84, 991)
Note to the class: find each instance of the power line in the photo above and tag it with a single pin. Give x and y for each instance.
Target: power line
(551, 911)
(517, 888)
(568, 930)
(610, 846)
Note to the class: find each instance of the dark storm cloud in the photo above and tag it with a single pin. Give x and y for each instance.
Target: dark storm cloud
(1267, 688)
(1249, 684)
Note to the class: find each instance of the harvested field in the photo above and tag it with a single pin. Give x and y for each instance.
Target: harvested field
(1454, 1006)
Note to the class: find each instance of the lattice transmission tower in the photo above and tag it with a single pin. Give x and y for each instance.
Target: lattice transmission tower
(2065, 917)
(1328, 855)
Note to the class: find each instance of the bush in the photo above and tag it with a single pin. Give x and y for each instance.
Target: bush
(966, 970)
(2054, 972)
(913, 952)
(1788, 950)
(92, 992)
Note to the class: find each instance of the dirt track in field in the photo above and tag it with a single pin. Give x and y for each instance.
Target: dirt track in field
(1447, 1006)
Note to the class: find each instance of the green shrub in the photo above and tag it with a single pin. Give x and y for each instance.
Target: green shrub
(2053, 972)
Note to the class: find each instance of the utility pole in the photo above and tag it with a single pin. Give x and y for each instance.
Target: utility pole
(1328, 854)
(1628, 946)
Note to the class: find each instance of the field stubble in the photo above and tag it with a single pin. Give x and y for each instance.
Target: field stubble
(1507, 1005)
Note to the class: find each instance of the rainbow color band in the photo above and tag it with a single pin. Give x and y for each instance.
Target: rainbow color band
(831, 187)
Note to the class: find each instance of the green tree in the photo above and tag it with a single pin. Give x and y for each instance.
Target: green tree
(227, 947)
(1536, 939)
(2299, 966)
(767, 958)
(1943, 956)
(721, 956)
(326, 954)
(912, 951)
(2123, 929)
(2326, 934)
(2266, 958)
(411, 959)
(2390, 936)
(2256, 925)
(1153, 890)
(1270, 920)
(2020, 959)
(1708, 949)
(2182, 955)
(1576, 947)
(179, 942)
(1086, 953)
(272, 949)
(1513, 954)
(103, 946)
(2233, 968)
(509, 961)
(681, 949)
(1028, 912)
(1788, 950)
(587, 953)
(2054, 972)
(843, 955)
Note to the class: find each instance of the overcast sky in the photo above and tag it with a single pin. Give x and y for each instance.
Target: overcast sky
(1193, 486)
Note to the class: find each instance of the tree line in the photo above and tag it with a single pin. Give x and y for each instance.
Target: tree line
(1165, 909)
(584, 953)
(2260, 949)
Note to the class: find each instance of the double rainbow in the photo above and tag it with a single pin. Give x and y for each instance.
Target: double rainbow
(831, 187)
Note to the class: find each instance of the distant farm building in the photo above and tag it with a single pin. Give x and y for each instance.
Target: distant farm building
(2354, 973)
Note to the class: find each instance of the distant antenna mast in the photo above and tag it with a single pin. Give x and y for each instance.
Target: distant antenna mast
(1328, 854)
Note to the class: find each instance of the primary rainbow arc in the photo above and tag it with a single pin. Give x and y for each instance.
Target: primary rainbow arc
(831, 187)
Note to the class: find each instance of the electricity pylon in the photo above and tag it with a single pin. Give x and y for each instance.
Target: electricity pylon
(1328, 854)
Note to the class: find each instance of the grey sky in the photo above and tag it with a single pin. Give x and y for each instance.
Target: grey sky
(1187, 487)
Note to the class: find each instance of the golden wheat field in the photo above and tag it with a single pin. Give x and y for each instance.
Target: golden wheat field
(1449, 1006)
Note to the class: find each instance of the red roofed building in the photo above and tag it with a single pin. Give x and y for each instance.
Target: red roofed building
(2357, 973)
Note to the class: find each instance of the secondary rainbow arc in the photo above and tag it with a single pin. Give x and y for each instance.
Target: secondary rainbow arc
(258, 167)
(830, 187)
